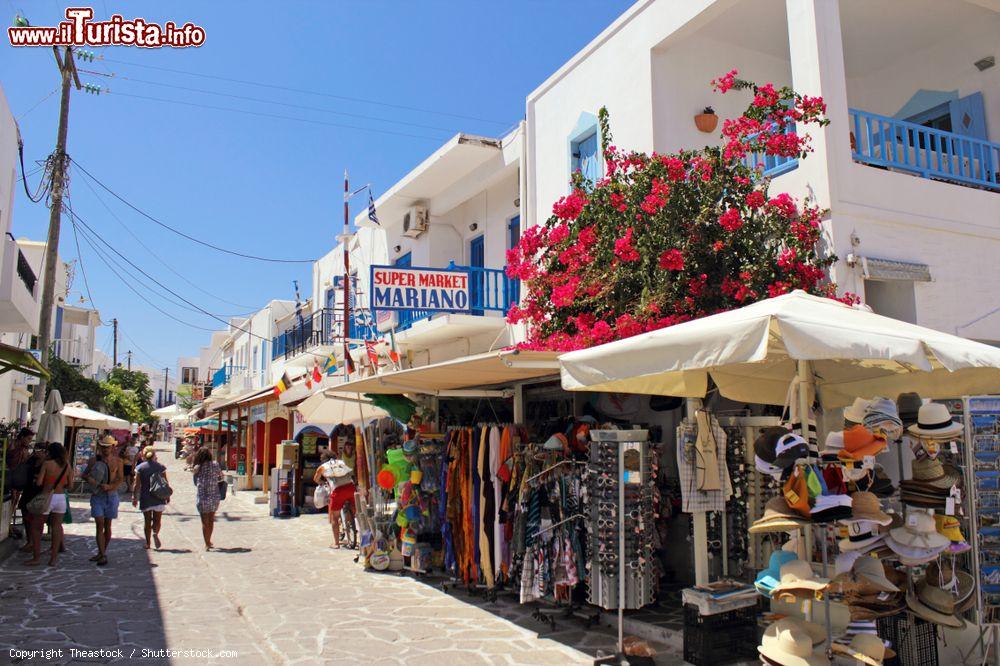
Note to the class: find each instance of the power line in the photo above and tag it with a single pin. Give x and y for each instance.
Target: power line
(143, 351)
(135, 291)
(280, 117)
(306, 92)
(79, 256)
(181, 233)
(286, 104)
(38, 103)
(156, 256)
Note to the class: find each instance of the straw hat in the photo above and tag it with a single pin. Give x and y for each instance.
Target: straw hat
(798, 576)
(934, 421)
(958, 583)
(860, 442)
(787, 643)
(778, 517)
(856, 412)
(872, 571)
(108, 440)
(865, 506)
(932, 472)
(866, 648)
(919, 531)
(860, 535)
(934, 605)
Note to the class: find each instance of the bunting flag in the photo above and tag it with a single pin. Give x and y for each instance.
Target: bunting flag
(317, 376)
(330, 365)
(372, 353)
(282, 384)
(348, 361)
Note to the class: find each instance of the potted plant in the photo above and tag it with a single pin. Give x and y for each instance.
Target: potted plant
(706, 121)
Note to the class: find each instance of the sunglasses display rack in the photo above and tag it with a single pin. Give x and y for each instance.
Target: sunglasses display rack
(620, 520)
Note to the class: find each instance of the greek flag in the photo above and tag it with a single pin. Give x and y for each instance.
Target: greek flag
(371, 208)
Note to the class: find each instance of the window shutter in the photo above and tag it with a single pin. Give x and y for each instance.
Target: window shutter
(968, 116)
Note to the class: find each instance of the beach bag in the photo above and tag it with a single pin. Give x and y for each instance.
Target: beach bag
(39, 504)
(321, 496)
(159, 488)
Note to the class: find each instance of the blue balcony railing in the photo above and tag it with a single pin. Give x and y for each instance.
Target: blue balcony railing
(322, 327)
(490, 290)
(926, 152)
(224, 374)
(770, 166)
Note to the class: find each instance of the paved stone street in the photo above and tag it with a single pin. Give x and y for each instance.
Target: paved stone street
(273, 593)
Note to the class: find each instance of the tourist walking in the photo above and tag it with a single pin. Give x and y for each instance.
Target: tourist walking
(54, 476)
(207, 478)
(104, 474)
(130, 458)
(151, 493)
(337, 476)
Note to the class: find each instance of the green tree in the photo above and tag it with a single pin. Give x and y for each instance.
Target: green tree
(124, 403)
(73, 386)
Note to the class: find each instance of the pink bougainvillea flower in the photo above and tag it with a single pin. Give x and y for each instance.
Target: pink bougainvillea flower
(755, 199)
(624, 249)
(672, 260)
(570, 207)
(725, 82)
(731, 220)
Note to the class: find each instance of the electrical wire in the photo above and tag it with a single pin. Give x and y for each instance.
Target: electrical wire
(43, 185)
(278, 116)
(305, 91)
(181, 233)
(38, 103)
(79, 256)
(156, 256)
(143, 351)
(136, 292)
(321, 109)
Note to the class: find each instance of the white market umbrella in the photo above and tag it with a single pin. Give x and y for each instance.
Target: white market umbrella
(332, 407)
(168, 412)
(753, 354)
(81, 416)
(52, 424)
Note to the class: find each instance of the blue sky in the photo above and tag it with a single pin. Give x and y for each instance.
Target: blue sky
(256, 184)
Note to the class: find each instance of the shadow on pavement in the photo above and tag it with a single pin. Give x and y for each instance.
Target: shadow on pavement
(232, 550)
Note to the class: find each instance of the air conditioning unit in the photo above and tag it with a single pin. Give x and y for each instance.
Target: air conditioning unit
(415, 221)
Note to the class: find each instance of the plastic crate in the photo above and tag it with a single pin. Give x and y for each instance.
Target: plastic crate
(913, 639)
(708, 646)
(734, 618)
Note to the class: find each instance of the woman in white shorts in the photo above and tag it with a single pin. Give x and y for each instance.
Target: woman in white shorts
(54, 476)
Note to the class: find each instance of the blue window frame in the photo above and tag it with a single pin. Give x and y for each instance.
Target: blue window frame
(477, 259)
(585, 148)
(404, 260)
(513, 236)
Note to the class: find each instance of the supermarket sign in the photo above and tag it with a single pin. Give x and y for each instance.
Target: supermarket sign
(434, 289)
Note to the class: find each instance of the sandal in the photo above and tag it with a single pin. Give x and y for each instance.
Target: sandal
(95, 558)
(102, 561)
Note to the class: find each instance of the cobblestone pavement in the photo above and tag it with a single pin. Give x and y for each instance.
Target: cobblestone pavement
(272, 593)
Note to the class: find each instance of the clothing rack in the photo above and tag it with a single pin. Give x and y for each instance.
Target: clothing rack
(555, 525)
(552, 467)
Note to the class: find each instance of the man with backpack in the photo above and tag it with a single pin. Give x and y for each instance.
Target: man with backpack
(151, 493)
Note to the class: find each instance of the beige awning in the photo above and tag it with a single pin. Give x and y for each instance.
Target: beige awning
(492, 369)
(248, 399)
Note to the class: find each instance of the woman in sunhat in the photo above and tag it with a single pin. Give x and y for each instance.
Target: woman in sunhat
(104, 474)
(337, 476)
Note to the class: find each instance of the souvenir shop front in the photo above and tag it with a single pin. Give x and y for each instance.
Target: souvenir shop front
(871, 519)
(495, 480)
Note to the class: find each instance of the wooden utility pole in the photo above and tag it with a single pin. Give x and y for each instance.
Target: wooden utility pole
(67, 70)
(114, 347)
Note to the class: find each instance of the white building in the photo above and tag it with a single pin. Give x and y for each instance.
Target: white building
(246, 352)
(908, 165)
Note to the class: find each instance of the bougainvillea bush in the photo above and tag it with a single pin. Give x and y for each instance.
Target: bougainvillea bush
(662, 239)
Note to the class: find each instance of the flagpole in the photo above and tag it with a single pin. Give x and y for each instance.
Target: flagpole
(347, 275)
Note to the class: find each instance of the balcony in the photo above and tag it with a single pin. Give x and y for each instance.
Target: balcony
(320, 329)
(225, 375)
(490, 291)
(770, 166)
(907, 147)
(74, 352)
(18, 290)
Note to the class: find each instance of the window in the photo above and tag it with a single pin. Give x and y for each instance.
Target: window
(189, 375)
(584, 148)
(404, 260)
(513, 231)
(892, 298)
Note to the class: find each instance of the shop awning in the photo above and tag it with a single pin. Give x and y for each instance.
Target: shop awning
(752, 355)
(20, 360)
(78, 414)
(332, 407)
(244, 400)
(492, 369)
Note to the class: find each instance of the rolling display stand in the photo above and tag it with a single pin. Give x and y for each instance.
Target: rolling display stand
(620, 522)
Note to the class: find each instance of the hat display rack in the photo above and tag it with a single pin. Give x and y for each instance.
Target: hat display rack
(902, 566)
